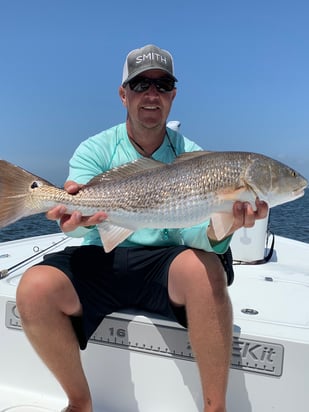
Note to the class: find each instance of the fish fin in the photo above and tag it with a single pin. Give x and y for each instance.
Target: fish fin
(126, 170)
(190, 155)
(112, 235)
(16, 185)
(242, 194)
(222, 223)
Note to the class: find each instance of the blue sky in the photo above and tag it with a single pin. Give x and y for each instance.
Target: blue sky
(243, 70)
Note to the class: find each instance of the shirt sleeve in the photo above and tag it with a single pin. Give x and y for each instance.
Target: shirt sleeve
(86, 162)
(81, 231)
(196, 237)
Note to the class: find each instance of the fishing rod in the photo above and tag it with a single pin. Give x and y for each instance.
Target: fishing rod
(6, 272)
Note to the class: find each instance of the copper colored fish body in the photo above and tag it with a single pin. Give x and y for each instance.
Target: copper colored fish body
(150, 194)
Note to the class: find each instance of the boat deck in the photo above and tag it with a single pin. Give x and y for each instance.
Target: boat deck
(137, 362)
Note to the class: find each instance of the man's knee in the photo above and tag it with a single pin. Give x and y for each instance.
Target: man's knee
(37, 287)
(30, 283)
(207, 264)
(214, 274)
(197, 272)
(31, 290)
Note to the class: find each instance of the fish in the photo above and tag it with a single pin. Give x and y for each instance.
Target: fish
(147, 193)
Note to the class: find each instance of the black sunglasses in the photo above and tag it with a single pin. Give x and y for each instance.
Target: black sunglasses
(162, 84)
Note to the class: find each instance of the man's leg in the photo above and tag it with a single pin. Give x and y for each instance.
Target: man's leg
(45, 299)
(198, 281)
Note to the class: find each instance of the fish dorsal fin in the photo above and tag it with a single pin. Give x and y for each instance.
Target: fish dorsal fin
(126, 170)
(190, 155)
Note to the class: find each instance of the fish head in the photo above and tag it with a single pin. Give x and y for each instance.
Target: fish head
(273, 181)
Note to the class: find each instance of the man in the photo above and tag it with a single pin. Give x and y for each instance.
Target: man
(181, 274)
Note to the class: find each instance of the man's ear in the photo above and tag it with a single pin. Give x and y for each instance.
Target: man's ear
(174, 93)
(122, 94)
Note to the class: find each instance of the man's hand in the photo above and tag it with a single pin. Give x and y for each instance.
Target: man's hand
(71, 222)
(244, 216)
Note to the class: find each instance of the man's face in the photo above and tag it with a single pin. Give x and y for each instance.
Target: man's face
(149, 108)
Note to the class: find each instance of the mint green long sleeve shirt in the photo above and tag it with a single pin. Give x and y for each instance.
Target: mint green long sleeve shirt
(112, 148)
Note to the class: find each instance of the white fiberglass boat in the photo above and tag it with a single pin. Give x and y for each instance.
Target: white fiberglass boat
(137, 362)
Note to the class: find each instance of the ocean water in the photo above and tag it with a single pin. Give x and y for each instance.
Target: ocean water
(289, 220)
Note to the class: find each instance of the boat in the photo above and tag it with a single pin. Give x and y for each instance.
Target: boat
(139, 362)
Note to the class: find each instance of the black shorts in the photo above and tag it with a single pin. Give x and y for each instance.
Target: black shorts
(134, 277)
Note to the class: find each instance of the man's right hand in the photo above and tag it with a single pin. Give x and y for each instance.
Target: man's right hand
(68, 223)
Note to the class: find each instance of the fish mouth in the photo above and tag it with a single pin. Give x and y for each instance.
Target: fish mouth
(299, 192)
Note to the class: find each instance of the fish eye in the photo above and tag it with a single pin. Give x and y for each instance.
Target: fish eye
(34, 185)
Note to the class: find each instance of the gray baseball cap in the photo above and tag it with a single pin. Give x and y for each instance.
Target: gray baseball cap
(148, 57)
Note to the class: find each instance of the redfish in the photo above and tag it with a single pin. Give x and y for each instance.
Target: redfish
(149, 194)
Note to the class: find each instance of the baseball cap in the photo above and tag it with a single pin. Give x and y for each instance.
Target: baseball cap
(148, 57)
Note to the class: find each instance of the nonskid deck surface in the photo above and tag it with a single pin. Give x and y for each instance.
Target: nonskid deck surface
(16, 400)
(27, 408)
(139, 352)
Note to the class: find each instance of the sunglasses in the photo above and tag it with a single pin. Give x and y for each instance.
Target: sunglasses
(162, 84)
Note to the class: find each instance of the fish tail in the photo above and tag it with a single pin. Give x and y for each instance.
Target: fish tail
(15, 193)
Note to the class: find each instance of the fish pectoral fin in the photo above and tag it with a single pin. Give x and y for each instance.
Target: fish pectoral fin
(112, 235)
(222, 223)
(241, 194)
